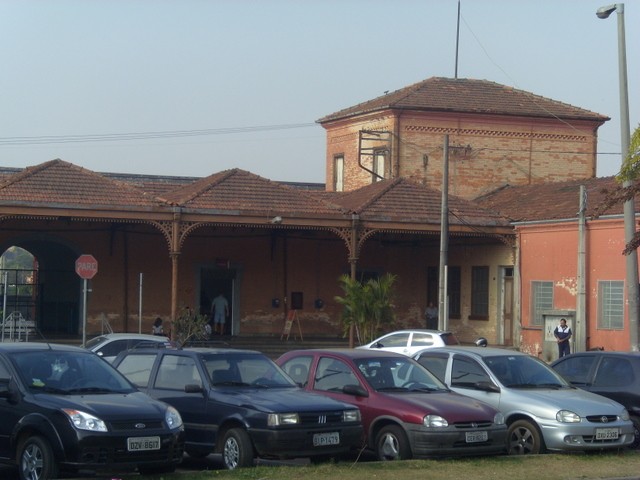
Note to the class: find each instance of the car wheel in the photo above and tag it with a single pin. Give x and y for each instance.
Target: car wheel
(36, 461)
(636, 432)
(237, 451)
(392, 444)
(524, 439)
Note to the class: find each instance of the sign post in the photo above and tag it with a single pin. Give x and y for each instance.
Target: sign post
(86, 268)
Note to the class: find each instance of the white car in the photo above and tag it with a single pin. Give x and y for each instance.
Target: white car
(108, 346)
(409, 342)
(542, 410)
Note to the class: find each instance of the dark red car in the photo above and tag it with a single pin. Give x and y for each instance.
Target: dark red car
(406, 411)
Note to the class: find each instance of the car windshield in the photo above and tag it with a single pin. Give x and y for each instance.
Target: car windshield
(245, 369)
(94, 341)
(524, 371)
(65, 373)
(398, 374)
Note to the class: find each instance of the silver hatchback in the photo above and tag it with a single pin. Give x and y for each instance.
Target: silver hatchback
(543, 411)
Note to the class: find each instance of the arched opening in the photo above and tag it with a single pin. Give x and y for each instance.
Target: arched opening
(41, 285)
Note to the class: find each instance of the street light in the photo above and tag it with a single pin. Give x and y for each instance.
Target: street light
(629, 205)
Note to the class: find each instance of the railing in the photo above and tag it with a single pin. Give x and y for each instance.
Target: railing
(15, 328)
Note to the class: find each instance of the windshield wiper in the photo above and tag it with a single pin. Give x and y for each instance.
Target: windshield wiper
(89, 390)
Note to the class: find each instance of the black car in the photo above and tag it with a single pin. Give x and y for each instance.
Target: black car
(615, 375)
(64, 409)
(240, 404)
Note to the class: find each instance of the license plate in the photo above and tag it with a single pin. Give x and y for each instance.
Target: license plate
(324, 439)
(607, 433)
(473, 437)
(138, 444)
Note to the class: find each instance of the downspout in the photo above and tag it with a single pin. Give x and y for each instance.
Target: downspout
(443, 304)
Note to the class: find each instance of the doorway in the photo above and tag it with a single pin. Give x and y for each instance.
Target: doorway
(213, 282)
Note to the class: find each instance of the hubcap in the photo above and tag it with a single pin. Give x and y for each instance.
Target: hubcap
(389, 448)
(231, 454)
(31, 463)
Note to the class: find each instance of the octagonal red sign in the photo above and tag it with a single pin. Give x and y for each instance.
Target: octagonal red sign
(86, 266)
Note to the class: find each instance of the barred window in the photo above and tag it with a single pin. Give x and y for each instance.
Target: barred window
(611, 304)
(541, 300)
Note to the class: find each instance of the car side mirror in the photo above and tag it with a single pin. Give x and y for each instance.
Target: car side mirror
(487, 387)
(193, 388)
(377, 345)
(6, 391)
(355, 390)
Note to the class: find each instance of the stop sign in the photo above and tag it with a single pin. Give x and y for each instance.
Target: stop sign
(86, 266)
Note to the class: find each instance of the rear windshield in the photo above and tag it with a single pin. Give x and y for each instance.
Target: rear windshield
(450, 339)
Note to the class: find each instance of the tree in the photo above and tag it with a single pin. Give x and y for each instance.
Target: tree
(367, 306)
(630, 172)
(189, 326)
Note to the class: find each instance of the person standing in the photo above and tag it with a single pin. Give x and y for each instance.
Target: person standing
(563, 334)
(431, 314)
(219, 313)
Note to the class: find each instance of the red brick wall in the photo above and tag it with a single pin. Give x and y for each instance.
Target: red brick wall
(485, 152)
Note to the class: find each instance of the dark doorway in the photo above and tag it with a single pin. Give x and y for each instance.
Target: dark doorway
(214, 281)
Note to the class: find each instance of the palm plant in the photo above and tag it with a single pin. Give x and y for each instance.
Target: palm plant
(367, 307)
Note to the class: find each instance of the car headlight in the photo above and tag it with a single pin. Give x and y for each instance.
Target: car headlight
(351, 416)
(434, 421)
(84, 421)
(173, 418)
(498, 419)
(625, 415)
(277, 419)
(567, 416)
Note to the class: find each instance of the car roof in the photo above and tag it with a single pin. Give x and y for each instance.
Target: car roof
(599, 353)
(146, 336)
(417, 330)
(473, 351)
(10, 347)
(351, 353)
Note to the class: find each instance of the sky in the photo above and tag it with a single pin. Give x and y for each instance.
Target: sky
(194, 87)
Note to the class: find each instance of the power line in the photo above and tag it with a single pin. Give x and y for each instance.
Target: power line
(117, 137)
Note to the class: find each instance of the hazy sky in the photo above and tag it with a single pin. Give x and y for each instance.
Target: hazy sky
(129, 85)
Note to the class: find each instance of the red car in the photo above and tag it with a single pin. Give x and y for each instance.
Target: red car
(406, 411)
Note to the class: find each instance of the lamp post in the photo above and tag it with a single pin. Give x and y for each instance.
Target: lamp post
(629, 205)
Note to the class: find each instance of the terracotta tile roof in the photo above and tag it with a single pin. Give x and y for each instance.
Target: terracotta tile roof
(403, 200)
(465, 95)
(240, 191)
(64, 184)
(550, 201)
(156, 185)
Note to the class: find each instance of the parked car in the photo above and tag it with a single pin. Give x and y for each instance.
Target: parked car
(408, 342)
(615, 375)
(406, 411)
(240, 404)
(542, 410)
(109, 345)
(63, 409)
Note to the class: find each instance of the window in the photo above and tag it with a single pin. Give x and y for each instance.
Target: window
(480, 293)
(137, 368)
(611, 304)
(175, 372)
(466, 373)
(378, 165)
(541, 300)
(332, 375)
(614, 372)
(338, 173)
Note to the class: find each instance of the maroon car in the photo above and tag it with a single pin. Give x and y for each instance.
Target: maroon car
(406, 411)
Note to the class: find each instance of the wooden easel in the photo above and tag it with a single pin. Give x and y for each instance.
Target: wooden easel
(292, 317)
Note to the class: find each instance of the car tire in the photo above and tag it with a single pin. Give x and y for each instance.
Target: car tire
(636, 431)
(392, 444)
(237, 450)
(524, 438)
(36, 460)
